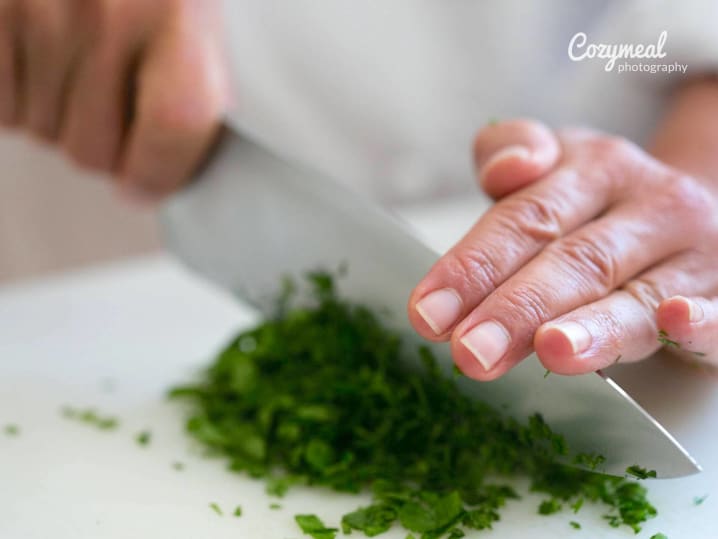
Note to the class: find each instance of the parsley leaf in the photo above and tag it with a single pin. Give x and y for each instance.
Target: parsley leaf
(313, 526)
(143, 438)
(640, 473)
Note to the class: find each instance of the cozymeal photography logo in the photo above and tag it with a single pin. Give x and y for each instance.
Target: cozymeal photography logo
(624, 55)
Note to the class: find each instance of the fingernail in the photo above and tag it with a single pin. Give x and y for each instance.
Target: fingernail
(509, 152)
(440, 309)
(695, 311)
(488, 342)
(576, 334)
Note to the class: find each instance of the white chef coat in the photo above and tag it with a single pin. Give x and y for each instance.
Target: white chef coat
(388, 94)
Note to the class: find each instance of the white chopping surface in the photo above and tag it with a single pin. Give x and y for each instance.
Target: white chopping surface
(116, 338)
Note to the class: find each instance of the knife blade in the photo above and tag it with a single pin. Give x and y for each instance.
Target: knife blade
(252, 217)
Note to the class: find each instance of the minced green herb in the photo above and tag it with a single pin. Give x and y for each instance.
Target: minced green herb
(318, 396)
(549, 507)
(313, 526)
(665, 340)
(575, 525)
(659, 536)
(144, 438)
(179, 466)
(12, 430)
(698, 500)
(238, 511)
(591, 461)
(90, 417)
(275, 506)
(640, 473)
(216, 508)
(545, 375)
(576, 506)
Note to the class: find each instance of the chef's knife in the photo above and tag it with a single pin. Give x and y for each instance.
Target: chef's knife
(252, 217)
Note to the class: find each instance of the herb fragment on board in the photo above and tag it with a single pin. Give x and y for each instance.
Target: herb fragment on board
(91, 417)
(545, 375)
(659, 536)
(178, 466)
(640, 473)
(143, 438)
(275, 506)
(549, 507)
(238, 511)
(216, 508)
(575, 525)
(591, 461)
(12, 430)
(320, 395)
(314, 527)
(698, 500)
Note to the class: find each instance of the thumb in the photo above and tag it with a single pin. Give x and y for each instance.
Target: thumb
(509, 155)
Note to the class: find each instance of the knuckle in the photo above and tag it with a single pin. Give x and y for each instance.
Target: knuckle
(591, 260)
(647, 292)
(530, 217)
(475, 267)
(610, 147)
(527, 303)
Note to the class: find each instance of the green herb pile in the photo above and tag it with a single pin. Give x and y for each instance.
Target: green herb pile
(317, 396)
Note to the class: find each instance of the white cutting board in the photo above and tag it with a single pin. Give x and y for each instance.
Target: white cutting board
(116, 338)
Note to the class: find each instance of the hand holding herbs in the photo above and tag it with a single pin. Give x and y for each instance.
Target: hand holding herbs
(317, 396)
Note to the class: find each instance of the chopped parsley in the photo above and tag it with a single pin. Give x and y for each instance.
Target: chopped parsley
(665, 340)
(144, 438)
(659, 536)
(317, 395)
(640, 473)
(549, 507)
(575, 525)
(275, 506)
(178, 466)
(313, 526)
(90, 417)
(238, 511)
(216, 508)
(590, 461)
(698, 500)
(12, 430)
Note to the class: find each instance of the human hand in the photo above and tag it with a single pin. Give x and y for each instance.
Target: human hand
(580, 259)
(129, 87)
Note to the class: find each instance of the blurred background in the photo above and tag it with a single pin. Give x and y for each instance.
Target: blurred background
(54, 216)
